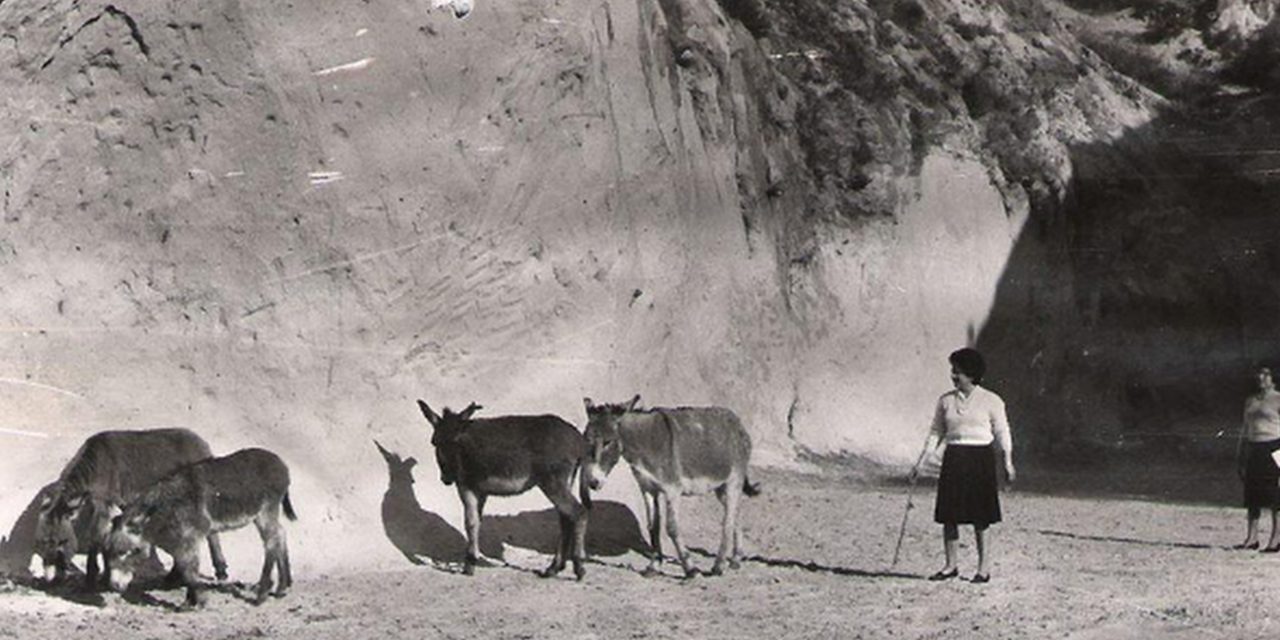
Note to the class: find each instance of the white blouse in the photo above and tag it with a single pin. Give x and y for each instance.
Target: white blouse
(976, 420)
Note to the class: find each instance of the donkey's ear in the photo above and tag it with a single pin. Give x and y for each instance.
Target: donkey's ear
(432, 417)
(386, 455)
(410, 462)
(471, 409)
(588, 404)
(114, 511)
(631, 406)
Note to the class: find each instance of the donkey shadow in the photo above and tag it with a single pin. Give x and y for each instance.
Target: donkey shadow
(17, 548)
(612, 530)
(424, 537)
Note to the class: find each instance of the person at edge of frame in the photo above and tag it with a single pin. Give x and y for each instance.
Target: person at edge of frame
(1259, 439)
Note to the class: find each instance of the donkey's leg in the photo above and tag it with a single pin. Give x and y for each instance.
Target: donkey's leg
(578, 527)
(268, 524)
(574, 536)
(481, 501)
(471, 514)
(573, 521)
(186, 563)
(215, 556)
(673, 530)
(562, 546)
(91, 568)
(652, 504)
(284, 575)
(728, 495)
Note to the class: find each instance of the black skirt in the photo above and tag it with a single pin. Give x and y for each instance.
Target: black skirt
(967, 489)
(1261, 476)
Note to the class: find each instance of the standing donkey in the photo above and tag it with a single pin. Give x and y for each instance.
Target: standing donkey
(217, 494)
(674, 452)
(506, 456)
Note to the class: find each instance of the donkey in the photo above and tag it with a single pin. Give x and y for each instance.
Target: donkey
(674, 452)
(110, 468)
(506, 456)
(218, 494)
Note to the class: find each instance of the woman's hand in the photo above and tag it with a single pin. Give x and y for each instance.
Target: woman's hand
(1009, 471)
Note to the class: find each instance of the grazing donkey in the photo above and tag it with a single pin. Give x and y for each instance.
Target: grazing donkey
(506, 456)
(218, 494)
(674, 452)
(111, 468)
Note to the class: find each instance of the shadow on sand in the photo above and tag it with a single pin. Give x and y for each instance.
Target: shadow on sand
(422, 536)
(814, 567)
(1122, 540)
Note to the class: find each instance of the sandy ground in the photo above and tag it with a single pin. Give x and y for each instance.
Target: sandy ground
(820, 550)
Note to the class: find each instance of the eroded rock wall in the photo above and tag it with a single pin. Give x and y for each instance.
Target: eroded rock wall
(280, 224)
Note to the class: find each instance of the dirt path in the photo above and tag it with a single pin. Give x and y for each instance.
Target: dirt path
(821, 548)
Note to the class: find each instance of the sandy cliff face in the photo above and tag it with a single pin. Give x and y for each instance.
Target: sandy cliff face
(279, 224)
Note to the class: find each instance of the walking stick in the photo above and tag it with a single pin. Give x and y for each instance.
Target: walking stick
(911, 487)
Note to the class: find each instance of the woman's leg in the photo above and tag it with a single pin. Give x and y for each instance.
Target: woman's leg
(1251, 533)
(1274, 542)
(980, 539)
(950, 538)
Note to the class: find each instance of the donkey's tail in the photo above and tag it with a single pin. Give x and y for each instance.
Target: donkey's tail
(288, 507)
(750, 489)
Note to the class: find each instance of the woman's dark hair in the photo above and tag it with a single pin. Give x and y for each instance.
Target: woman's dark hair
(969, 362)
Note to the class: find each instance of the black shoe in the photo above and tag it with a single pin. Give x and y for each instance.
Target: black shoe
(944, 575)
(1272, 549)
(1250, 546)
(981, 578)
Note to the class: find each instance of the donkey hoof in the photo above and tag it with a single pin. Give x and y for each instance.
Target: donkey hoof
(650, 572)
(579, 573)
(716, 570)
(468, 569)
(691, 573)
(550, 572)
(735, 564)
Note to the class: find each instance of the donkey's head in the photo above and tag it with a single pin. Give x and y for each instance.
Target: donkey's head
(127, 547)
(447, 429)
(64, 517)
(603, 439)
(401, 471)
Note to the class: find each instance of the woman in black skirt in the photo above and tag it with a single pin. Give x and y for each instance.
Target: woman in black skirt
(1259, 438)
(970, 420)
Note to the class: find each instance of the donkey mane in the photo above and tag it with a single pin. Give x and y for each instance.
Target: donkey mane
(83, 468)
